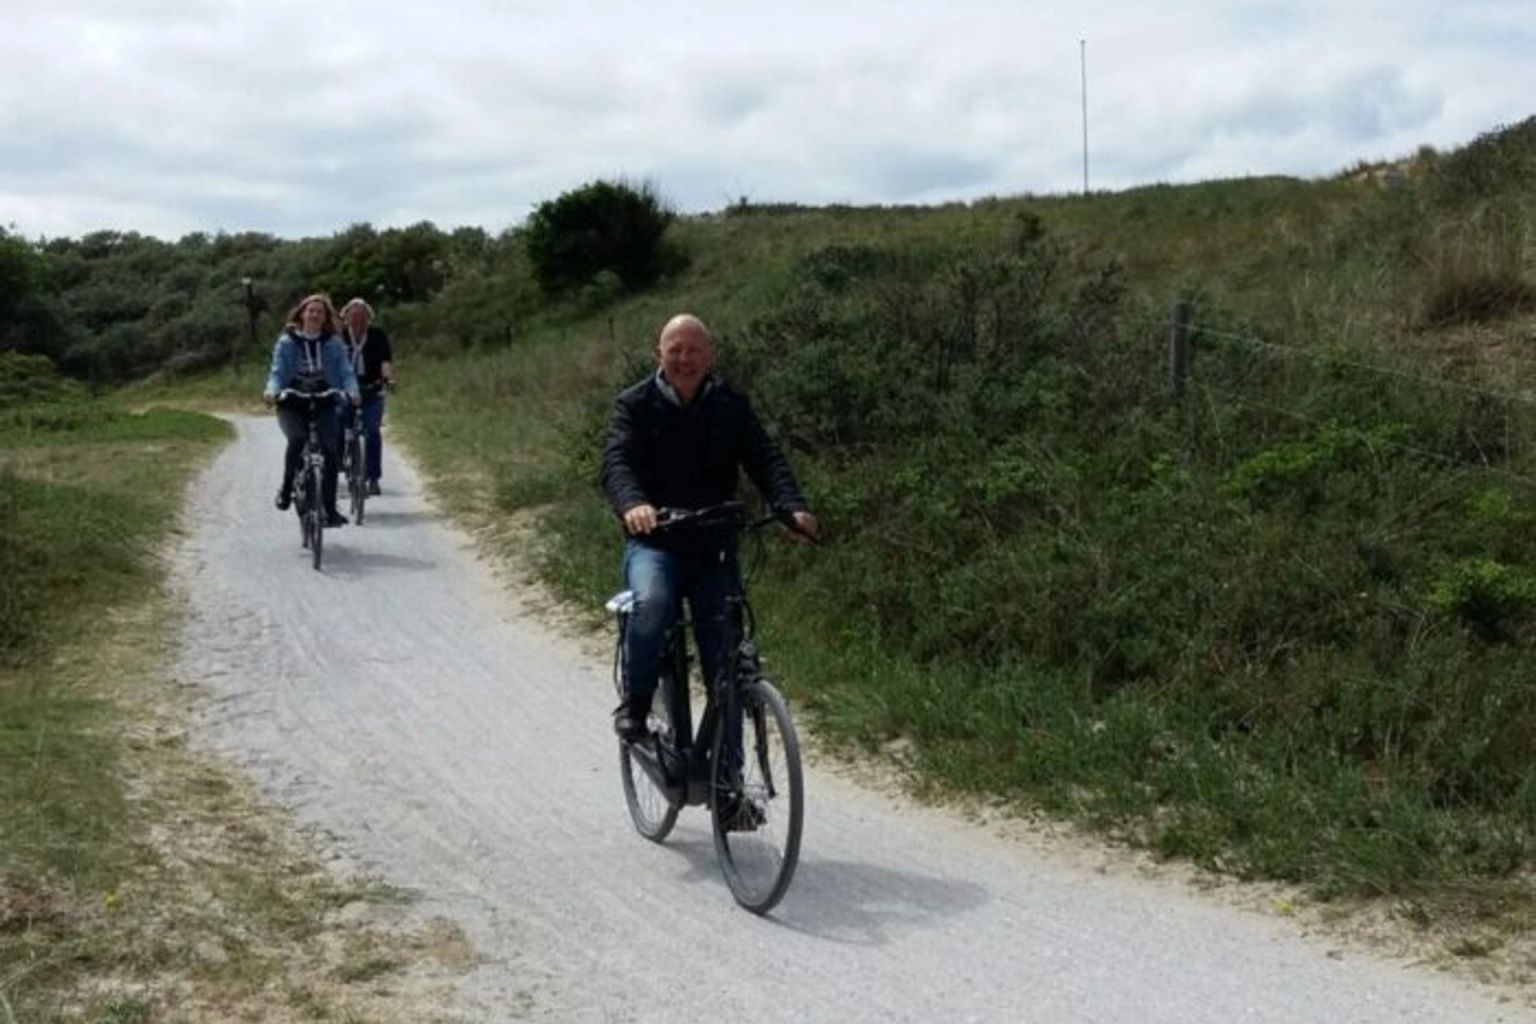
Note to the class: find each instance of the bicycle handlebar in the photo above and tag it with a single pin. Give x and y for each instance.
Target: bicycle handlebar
(731, 514)
(291, 393)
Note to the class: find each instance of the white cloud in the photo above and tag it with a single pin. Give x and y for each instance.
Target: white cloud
(169, 117)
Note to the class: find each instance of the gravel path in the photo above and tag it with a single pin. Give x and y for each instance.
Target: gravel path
(404, 703)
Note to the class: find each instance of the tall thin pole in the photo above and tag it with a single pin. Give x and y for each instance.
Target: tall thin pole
(1082, 45)
(250, 319)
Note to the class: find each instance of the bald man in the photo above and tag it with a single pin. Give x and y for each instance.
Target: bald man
(679, 439)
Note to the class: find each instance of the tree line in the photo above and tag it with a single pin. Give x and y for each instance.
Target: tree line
(113, 306)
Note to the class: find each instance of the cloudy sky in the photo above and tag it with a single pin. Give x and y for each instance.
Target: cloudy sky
(299, 117)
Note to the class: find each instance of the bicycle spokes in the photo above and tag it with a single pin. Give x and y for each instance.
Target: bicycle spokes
(763, 755)
(759, 809)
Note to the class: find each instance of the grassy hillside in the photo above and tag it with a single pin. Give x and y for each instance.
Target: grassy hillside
(1280, 625)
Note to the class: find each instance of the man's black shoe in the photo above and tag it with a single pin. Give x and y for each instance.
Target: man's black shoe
(373, 487)
(629, 719)
(739, 815)
(283, 500)
(334, 519)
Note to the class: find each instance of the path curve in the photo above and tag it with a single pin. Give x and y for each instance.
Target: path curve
(404, 703)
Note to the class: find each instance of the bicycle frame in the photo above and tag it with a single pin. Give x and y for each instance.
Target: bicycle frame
(681, 768)
(314, 453)
(743, 757)
(311, 472)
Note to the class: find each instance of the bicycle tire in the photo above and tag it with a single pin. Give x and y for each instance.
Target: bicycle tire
(650, 808)
(301, 507)
(316, 515)
(759, 862)
(358, 482)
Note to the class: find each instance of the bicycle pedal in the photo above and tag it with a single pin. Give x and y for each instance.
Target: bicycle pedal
(742, 815)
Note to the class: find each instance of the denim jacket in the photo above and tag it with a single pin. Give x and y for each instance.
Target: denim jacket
(288, 368)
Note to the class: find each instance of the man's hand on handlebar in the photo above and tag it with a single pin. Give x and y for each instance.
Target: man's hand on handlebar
(804, 527)
(640, 520)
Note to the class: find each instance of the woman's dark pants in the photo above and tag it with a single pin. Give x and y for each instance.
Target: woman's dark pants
(293, 418)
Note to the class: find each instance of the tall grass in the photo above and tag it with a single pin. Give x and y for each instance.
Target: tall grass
(87, 492)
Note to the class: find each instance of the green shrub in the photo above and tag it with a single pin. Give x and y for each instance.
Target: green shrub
(1476, 272)
(1487, 595)
(32, 379)
(603, 226)
(835, 267)
(1299, 470)
(1497, 163)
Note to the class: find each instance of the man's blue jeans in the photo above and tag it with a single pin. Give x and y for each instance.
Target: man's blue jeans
(373, 418)
(660, 579)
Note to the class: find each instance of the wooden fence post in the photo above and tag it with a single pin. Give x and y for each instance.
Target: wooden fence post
(1178, 348)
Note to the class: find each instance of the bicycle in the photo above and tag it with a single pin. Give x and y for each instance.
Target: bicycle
(309, 483)
(756, 802)
(354, 462)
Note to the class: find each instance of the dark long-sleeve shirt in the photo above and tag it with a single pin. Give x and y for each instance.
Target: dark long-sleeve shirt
(665, 454)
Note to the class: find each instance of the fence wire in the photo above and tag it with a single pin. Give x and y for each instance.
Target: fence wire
(1328, 359)
(1487, 432)
(1232, 398)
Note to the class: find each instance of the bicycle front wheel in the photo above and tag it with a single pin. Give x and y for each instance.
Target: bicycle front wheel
(316, 516)
(301, 506)
(757, 807)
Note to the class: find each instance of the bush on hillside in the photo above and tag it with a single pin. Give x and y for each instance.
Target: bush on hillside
(1021, 497)
(1497, 163)
(604, 226)
(32, 380)
(1475, 272)
(1487, 594)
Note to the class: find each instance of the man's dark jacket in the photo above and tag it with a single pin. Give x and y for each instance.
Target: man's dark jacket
(672, 456)
(376, 352)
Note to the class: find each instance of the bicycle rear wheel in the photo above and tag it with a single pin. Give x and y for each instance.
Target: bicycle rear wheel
(644, 774)
(651, 807)
(758, 810)
(357, 485)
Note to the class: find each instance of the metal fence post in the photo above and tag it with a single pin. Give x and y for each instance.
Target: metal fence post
(1178, 348)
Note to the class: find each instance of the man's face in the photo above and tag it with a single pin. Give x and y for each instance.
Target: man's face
(686, 357)
(357, 320)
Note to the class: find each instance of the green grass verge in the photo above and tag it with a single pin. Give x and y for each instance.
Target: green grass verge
(138, 879)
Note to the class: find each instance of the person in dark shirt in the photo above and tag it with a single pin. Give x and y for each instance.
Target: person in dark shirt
(373, 360)
(678, 439)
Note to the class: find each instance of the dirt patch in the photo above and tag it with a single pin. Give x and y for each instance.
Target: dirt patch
(28, 903)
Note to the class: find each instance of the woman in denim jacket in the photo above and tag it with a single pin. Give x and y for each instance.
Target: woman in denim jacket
(309, 356)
